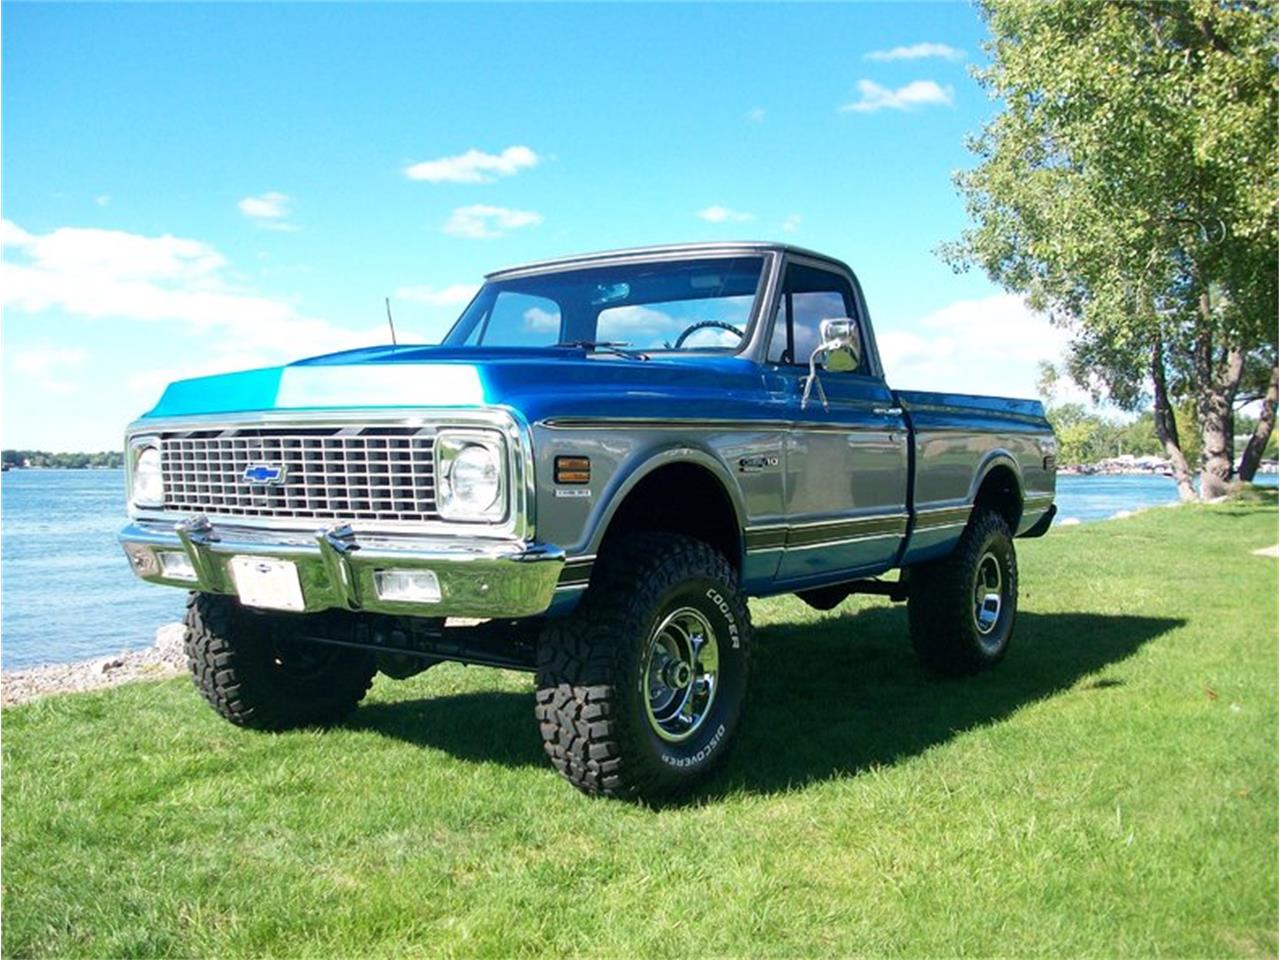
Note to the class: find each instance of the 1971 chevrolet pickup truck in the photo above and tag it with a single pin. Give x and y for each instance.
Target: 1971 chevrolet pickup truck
(607, 455)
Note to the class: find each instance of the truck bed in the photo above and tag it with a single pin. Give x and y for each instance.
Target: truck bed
(956, 439)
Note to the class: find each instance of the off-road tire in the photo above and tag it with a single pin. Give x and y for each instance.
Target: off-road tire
(591, 707)
(941, 611)
(254, 670)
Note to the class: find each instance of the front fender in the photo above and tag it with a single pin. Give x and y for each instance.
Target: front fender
(656, 460)
(621, 457)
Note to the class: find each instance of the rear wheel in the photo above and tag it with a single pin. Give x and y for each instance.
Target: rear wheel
(640, 690)
(258, 671)
(962, 608)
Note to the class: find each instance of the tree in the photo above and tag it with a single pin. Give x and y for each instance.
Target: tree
(1128, 187)
(1262, 436)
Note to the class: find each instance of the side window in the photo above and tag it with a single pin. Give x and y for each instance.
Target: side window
(809, 296)
(518, 320)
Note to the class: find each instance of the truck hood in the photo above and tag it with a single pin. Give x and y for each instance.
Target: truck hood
(537, 382)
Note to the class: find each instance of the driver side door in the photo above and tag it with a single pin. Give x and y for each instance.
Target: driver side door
(845, 480)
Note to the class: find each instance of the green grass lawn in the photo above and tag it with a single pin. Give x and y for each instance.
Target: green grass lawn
(1109, 789)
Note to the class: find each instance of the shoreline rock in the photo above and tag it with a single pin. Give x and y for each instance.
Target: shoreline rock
(164, 658)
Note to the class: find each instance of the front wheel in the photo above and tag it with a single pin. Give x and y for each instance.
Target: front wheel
(962, 608)
(640, 690)
(258, 670)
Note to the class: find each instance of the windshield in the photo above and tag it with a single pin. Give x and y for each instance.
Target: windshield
(675, 305)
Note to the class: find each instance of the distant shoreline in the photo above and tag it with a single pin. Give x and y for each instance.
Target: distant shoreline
(1105, 469)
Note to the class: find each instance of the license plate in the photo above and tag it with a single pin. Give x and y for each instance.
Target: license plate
(268, 583)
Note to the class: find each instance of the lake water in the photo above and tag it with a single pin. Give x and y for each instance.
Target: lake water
(66, 591)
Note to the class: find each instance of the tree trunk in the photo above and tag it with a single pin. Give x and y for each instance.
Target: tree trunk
(1167, 426)
(1217, 424)
(1261, 433)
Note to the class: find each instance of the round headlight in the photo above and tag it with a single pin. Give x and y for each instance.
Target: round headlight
(474, 480)
(148, 481)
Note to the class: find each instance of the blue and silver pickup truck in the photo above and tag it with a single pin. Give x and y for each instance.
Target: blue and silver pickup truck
(607, 455)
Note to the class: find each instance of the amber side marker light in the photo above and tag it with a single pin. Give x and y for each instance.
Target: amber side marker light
(573, 470)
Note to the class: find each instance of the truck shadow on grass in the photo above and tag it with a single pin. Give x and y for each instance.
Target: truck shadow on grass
(830, 698)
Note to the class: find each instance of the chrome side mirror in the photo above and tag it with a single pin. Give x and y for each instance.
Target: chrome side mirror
(843, 348)
(841, 343)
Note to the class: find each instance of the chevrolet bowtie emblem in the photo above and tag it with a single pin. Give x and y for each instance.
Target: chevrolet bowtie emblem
(265, 473)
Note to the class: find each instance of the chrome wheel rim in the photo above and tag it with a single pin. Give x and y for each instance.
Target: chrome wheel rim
(988, 594)
(681, 674)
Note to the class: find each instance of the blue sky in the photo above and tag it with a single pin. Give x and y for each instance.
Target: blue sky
(190, 189)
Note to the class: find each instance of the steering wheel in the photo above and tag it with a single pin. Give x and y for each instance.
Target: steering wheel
(704, 325)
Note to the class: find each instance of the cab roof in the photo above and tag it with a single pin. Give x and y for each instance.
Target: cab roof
(671, 251)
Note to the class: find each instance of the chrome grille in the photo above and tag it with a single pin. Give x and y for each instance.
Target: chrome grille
(330, 473)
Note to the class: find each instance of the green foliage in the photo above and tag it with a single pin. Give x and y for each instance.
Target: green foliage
(1086, 437)
(1128, 187)
(1109, 790)
(42, 458)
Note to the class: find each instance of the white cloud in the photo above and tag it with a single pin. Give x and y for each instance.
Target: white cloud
(266, 206)
(454, 295)
(917, 93)
(12, 235)
(917, 51)
(474, 166)
(103, 200)
(269, 210)
(792, 223)
(481, 222)
(756, 114)
(49, 367)
(724, 215)
(542, 321)
(637, 324)
(987, 346)
(111, 274)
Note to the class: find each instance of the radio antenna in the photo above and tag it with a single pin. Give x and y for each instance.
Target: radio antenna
(391, 323)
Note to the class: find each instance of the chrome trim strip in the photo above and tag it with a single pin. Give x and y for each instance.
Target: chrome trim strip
(944, 410)
(937, 518)
(823, 533)
(839, 543)
(759, 540)
(653, 254)
(812, 524)
(744, 426)
(849, 531)
(940, 526)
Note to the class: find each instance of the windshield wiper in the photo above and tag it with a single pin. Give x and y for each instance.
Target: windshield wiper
(606, 346)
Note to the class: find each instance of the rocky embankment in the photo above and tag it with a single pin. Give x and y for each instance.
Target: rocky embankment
(164, 659)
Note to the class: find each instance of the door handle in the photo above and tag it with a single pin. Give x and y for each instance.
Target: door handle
(887, 411)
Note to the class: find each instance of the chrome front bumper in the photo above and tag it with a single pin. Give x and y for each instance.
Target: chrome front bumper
(477, 578)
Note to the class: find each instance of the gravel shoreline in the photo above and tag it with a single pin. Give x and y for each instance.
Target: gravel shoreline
(165, 658)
